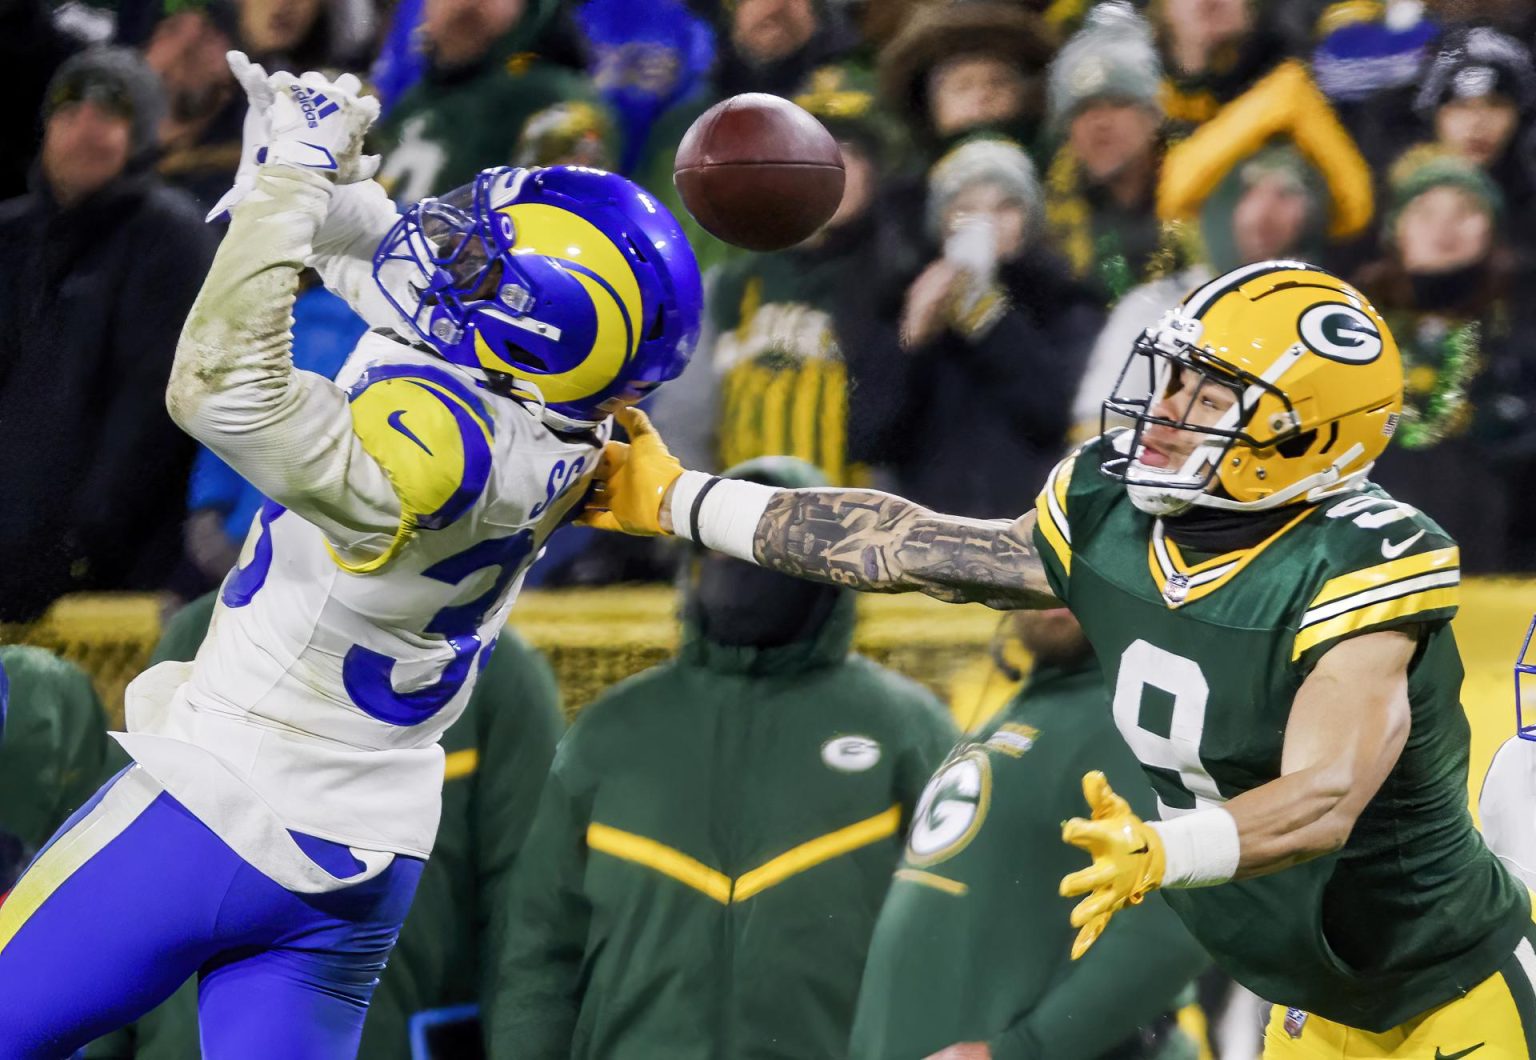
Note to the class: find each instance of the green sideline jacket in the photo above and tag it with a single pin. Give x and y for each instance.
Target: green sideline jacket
(974, 942)
(52, 754)
(710, 854)
(498, 752)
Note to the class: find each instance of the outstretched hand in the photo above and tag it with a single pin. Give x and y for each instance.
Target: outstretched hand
(257, 134)
(633, 478)
(1127, 860)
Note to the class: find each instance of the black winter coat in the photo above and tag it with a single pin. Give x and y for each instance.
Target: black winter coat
(982, 422)
(92, 470)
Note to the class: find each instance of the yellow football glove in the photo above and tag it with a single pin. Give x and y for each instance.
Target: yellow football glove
(632, 480)
(1127, 860)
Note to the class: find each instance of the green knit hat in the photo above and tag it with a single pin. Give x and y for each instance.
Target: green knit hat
(1423, 169)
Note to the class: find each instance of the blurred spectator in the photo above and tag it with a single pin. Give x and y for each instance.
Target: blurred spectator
(1515, 17)
(205, 110)
(1213, 51)
(644, 66)
(220, 504)
(105, 262)
(401, 58)
(53, 754)
(1274, 175)
(299, 35)
(481, 85)
(765, 46)
(1460, 310)
(1478, 95)
(995, 332)
(31, 49)
(959, 67)
(1207, 175)
(789, 329)
(730, 817)
(1367, 61)
(972, 943)
(497, 753)
(1100, 186)
(773, 45)
(568, 134)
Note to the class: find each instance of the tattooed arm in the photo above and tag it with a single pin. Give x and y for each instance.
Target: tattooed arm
(865, 540)
(881, 543)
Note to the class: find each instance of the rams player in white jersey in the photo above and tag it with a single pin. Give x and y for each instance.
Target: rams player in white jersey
(285, 786)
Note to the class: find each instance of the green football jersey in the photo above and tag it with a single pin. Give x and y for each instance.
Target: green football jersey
(973, 941)
(1204, 661)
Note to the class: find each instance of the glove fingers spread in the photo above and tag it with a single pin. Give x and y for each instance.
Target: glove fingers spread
(1088, 936)
(1084, 880)
(349, 84)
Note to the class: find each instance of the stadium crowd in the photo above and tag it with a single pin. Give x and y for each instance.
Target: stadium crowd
(1030, 183)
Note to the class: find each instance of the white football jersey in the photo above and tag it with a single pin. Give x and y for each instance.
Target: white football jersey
(1507, 806)
(323, 686)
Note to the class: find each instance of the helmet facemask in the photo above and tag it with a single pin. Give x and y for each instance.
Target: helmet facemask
(1159, 368)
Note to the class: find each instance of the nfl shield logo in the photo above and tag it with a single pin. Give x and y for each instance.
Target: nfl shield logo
(1176, 589)
(1295, 1019)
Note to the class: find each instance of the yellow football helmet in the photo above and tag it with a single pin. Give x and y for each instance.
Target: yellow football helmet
(1318, 382)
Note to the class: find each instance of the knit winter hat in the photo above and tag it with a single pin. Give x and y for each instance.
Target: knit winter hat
(1476, 62)
(990, 161)
(842, 98)
(117, 79)
(1111, 57)
(1426, 168)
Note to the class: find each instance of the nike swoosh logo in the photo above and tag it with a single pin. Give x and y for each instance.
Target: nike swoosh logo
(1391, 551)
(1452, 1056)
(396, 420)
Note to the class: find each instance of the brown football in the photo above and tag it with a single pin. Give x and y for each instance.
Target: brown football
(757, 171)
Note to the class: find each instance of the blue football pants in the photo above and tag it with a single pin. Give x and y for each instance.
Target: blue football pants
(134, 895)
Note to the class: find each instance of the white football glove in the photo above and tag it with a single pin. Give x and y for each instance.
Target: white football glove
(319, 124)
(257, 135)
(257, 131)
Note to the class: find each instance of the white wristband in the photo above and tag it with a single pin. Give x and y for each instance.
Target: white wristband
(1200, 849)
(719, 513)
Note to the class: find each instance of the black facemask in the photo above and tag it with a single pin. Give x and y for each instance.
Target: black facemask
(739, 604)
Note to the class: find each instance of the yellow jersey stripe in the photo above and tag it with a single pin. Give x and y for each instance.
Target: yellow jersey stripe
(117, 809)
(658, 856)
(1374, 614)
(1394, 570)
(460, 764)
(929, 879)
(821, 849)
(1053, 535)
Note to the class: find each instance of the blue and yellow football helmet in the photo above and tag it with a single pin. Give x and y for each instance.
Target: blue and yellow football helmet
(568, 286)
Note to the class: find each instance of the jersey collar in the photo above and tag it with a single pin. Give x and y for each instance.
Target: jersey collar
(1181, 583)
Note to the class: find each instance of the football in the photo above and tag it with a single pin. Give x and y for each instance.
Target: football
(757, 171)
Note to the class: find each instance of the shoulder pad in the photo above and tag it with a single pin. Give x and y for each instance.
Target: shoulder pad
(432, 435)
(1386, 565)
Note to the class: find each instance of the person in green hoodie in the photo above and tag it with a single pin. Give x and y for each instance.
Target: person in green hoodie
(487, 74)
(970, 957)
(52, 754)
(497, 752)
(717, 834)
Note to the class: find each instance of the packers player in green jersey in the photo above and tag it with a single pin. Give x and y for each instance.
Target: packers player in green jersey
(1275, 632)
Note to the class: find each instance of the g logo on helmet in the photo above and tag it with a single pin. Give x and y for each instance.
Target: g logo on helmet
(1340, 333)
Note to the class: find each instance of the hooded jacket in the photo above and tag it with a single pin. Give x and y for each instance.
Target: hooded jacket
(713, 845)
